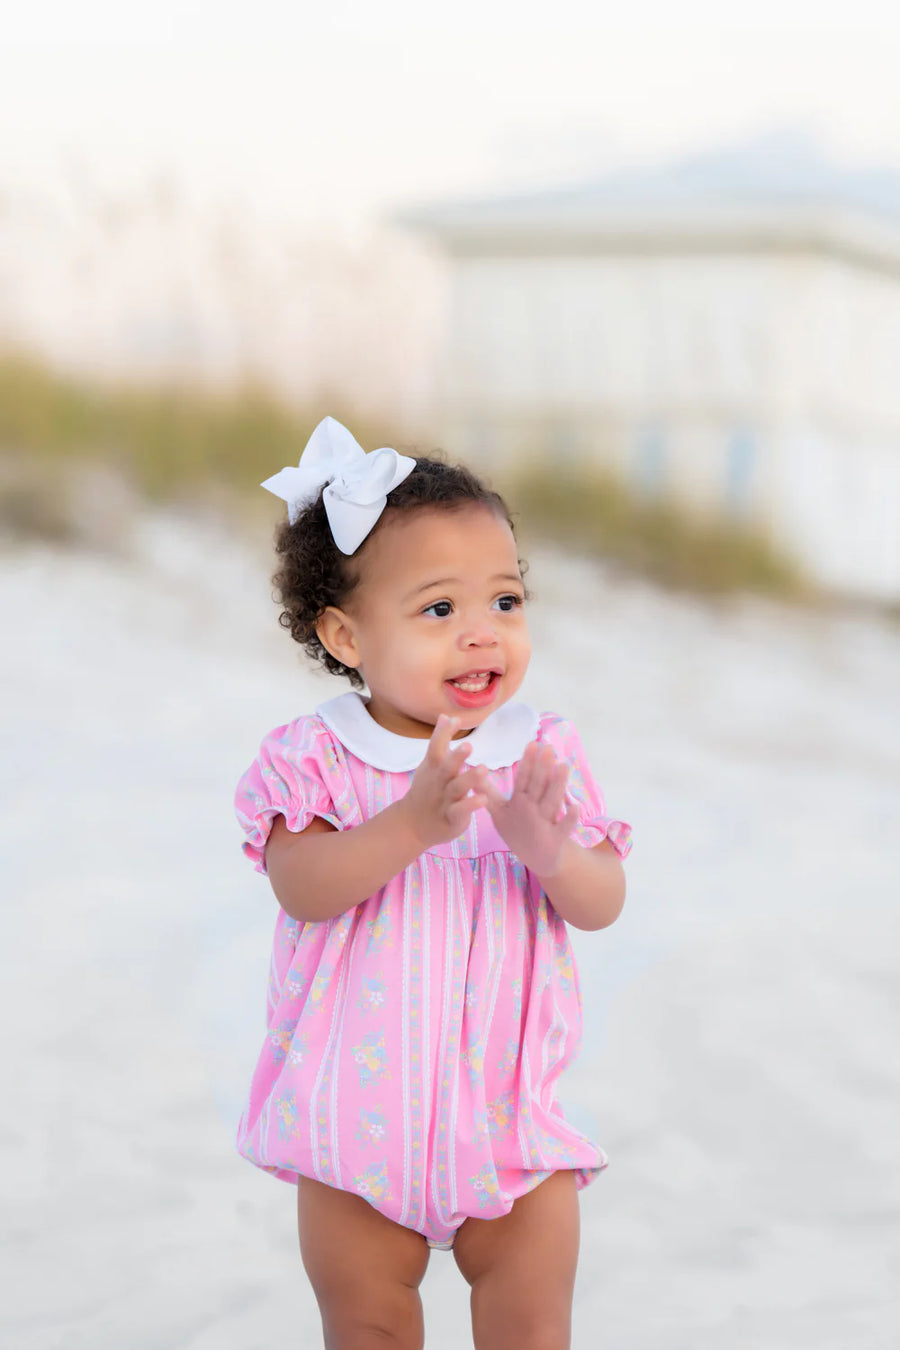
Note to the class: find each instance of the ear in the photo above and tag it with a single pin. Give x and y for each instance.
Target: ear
(334, 630)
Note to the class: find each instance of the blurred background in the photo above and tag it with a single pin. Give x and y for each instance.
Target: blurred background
(644, 274)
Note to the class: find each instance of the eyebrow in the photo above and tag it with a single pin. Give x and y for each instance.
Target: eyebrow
(455, 581)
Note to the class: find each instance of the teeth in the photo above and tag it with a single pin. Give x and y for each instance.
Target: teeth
(475, 683)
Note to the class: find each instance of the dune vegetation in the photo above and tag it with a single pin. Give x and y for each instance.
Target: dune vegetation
(593, 512)
(65, 442)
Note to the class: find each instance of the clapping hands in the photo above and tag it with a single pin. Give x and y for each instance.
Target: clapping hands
(535, 821)
(444, 793)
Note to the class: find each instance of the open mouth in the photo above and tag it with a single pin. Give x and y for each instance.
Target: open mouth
(474, 689)
(475, 681)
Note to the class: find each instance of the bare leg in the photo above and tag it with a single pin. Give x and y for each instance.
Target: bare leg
(365, 1270)
(522, 1269)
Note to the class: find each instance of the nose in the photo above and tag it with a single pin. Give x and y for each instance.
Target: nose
(479, 632)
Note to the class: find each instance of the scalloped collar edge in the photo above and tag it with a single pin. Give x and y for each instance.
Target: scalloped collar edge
(498, 743)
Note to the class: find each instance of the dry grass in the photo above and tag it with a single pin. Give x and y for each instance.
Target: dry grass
(168, 440)
(593, 512)
(75, 458)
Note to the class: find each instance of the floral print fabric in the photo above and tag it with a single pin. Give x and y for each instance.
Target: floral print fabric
(415, 1042)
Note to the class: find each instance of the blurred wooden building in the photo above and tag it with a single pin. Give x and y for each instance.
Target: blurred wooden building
(726, 331)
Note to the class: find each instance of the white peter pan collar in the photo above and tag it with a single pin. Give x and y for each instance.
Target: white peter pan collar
(497, 743)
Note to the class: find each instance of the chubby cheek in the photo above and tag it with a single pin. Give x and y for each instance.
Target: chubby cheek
(419, 659)
(519, 656)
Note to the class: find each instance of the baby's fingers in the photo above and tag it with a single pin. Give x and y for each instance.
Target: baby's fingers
(570, 819)
(439, 744)
(461, 812)
(469, 780)
(464, 795)
(525, 768)
(495, 798)
(555, 792)
(542, 773)
(456, 758)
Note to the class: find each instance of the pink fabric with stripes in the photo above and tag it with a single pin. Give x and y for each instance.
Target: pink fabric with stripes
(415, 1042)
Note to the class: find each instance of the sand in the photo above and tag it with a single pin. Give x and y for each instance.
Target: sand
(740, 1064)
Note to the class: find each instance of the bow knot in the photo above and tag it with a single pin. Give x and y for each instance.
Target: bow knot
(356, 484)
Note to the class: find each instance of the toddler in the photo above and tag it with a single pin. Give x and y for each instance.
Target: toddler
(428, 842)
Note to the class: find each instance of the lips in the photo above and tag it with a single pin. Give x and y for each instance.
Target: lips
(474, 688)
(474, 681)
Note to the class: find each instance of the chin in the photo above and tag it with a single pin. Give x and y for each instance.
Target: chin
(470, 718)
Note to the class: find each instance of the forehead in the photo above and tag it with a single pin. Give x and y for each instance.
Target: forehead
(412, 546)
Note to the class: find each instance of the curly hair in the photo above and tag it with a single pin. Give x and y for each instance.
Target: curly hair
(315, 574)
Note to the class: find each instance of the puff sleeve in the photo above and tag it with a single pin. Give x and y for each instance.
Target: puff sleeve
(298, 773)
(593, 825)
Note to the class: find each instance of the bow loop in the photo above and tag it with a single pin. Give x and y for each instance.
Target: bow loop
(356, 484)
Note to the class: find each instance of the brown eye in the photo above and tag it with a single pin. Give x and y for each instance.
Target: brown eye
(441, 609)
(507, 603)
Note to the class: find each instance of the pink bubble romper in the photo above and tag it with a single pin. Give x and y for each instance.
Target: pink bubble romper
(415, 1042)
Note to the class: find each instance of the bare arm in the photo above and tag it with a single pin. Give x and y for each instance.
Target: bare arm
(321, 872)
(588, 889)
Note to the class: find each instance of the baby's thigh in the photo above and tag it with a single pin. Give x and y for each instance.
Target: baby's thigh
(522, 1269)
(365, 1269)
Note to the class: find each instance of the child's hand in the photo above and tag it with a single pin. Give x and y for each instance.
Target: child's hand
(530, 821)
(437, 804)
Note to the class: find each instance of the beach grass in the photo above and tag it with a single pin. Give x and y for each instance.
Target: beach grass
(66, 442)
(595, 513)
(168, 438)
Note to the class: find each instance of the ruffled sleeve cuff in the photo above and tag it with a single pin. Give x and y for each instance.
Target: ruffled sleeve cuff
(290, 777)
(591, 833)
(593, 824)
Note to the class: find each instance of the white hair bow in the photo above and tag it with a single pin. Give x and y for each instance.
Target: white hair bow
(356, 484)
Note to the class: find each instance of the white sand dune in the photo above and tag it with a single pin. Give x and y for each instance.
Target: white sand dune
(743, 1015)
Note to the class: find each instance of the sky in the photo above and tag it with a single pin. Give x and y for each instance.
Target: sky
(338, 114)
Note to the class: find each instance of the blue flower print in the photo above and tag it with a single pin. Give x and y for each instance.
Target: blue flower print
(474, 1059)
(319, 986)
(372, 1184)
(565, 970)
(510, 1057)
(379, 933)
(280, 1040)
(299, 1050)
(295, 985)
(371, 1057)
(372, 994)
(485, 1185)
(372, 1127)
(500, 1114)
(287, 1115)
(289, 931)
